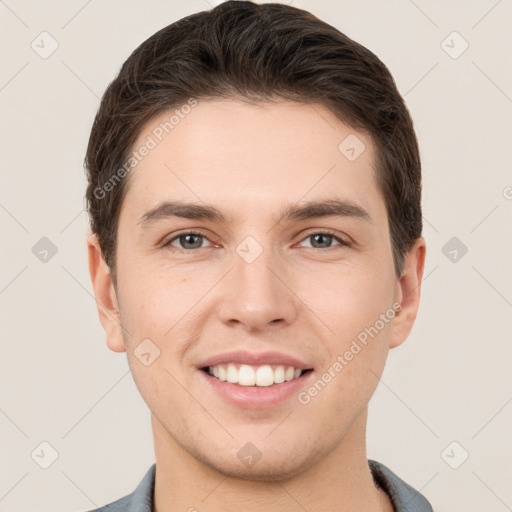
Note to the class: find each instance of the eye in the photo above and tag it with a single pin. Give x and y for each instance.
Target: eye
(187, 241)
(323, 239)
(190, 240)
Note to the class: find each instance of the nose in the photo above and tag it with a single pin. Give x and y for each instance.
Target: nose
(258, 294)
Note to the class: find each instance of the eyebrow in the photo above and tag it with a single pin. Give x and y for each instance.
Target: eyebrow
(294, 212)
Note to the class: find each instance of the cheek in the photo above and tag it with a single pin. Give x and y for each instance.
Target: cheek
(161, 308)
(152, 301)
(359, 344)
(351, 301)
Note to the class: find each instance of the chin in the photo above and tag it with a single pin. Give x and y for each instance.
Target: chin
(278, 467)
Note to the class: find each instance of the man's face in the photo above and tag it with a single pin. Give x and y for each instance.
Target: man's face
(253, 290)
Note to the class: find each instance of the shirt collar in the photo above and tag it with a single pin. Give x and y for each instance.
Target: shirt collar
(403, 497)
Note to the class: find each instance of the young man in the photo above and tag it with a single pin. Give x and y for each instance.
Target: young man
(254, 193)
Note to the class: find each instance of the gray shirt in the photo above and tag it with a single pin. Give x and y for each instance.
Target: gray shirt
(402, 495)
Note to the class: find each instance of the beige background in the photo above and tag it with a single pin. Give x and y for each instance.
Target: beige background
(451, 381)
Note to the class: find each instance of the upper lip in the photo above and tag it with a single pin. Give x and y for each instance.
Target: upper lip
(255, 359)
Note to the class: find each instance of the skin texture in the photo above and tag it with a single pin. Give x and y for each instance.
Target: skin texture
(305, 300)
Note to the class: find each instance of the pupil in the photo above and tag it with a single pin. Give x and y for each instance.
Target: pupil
(319, 236)
(186, 238)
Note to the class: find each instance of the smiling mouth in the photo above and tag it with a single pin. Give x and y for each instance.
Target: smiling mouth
(258, 376)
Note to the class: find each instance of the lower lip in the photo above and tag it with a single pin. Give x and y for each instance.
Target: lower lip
(256, 397)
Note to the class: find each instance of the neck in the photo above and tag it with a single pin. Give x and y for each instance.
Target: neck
(341, 481)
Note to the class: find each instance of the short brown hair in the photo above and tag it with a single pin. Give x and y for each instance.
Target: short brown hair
(242, 50)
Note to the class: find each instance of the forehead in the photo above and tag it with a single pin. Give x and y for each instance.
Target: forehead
(252, 155)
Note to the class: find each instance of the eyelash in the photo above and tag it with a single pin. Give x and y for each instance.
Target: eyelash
(191, 232)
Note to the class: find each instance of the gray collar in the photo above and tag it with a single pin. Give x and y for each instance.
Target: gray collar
(404, 497)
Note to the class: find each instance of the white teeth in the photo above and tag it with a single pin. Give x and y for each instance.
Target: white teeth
(290, 373)
(279, 375)
(232, 374)
(261, 376)
(264, 376)
(246, 376)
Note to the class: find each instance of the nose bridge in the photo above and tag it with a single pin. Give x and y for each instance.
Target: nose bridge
(256, 293)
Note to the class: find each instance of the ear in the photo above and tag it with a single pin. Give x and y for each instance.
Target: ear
(105, 295)
(408, 293)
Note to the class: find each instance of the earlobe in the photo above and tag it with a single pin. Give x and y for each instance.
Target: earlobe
(105, 295)
(408, 293)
